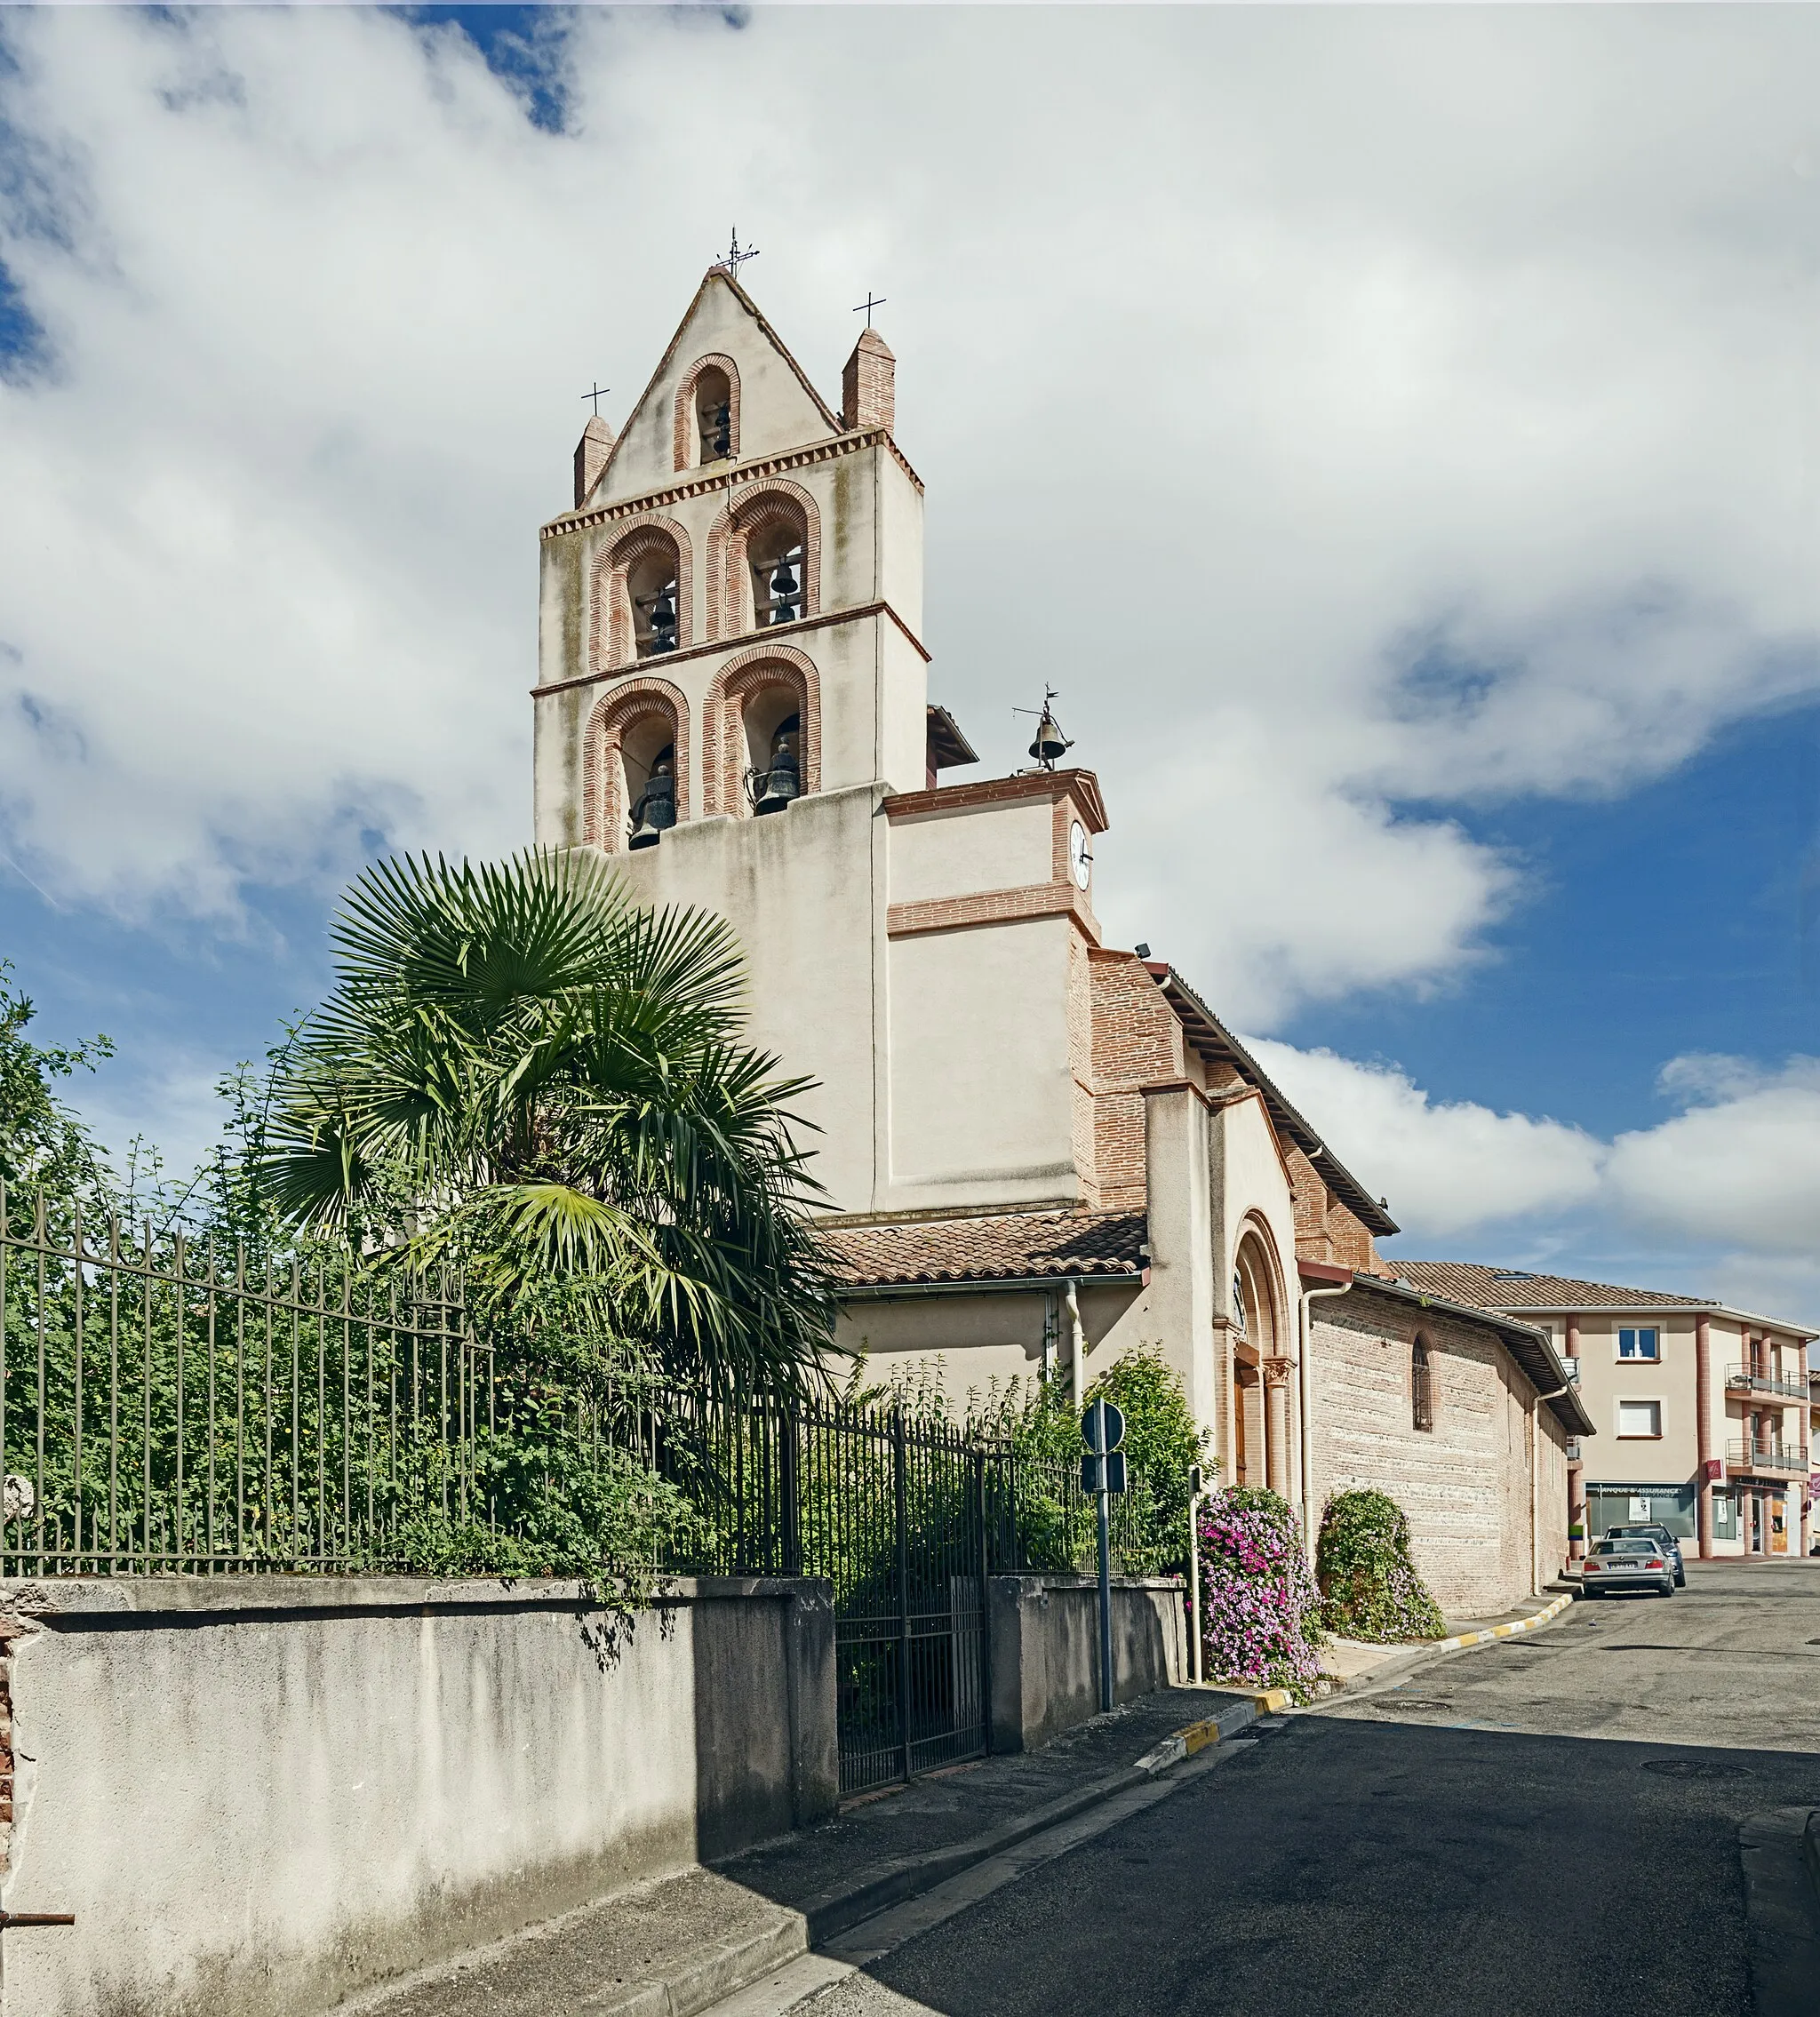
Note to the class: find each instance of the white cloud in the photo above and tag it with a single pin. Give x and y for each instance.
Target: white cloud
(1393, 415)
(1448, 1167)
(1723, 1198)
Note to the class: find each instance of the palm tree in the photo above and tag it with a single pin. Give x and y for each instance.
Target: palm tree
(521, 1070)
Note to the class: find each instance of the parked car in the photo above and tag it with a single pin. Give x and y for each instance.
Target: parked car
(1620, 1563)
(1669, 1545)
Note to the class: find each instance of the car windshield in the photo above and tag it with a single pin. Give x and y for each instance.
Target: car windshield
(1646, 1532)
(1624, 1548)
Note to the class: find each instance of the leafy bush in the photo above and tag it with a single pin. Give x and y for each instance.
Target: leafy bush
(1260, 1609)
(1369, 1585)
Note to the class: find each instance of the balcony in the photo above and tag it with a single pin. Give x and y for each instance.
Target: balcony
(1741, 1379)
(1759, 1459)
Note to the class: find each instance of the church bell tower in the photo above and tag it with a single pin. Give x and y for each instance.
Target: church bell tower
(734, 705)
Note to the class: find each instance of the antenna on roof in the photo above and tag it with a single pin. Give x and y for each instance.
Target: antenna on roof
(733, 258)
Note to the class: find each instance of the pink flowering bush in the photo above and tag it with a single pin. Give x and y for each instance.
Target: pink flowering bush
(1260, 1610)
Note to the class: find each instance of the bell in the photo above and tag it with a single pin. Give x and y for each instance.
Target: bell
(723, 430)
(663, 622)
(783, 583)
(783, 781)
(1050, 743)
(656, 811)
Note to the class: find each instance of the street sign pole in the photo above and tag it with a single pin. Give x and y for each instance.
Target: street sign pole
(1103, 1473)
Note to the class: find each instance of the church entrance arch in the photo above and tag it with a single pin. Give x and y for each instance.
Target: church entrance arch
(1261, 1365)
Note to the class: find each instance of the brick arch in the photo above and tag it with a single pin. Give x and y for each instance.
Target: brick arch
(684, 431)
(1256, 1237)
(603, 804)
(610, 639)
(728, 583)
(724, 721)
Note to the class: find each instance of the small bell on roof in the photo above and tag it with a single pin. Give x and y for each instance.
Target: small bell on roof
(1050, 744)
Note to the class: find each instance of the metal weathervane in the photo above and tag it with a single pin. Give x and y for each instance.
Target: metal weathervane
(733, 258)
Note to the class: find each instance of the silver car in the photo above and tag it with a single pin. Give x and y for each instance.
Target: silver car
(1623, 1562)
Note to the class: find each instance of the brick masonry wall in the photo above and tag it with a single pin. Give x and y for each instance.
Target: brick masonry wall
(1465, 1483)
(1137, 1042)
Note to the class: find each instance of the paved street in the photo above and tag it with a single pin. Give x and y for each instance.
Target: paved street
(1546, 1825)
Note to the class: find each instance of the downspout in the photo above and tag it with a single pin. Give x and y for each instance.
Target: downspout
(1077, 1343)
(1535, 1484)
(1305, 1407)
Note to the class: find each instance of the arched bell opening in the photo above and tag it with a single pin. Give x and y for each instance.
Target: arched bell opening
(714, 416)
(647, 773)
(652, 587)
(777, 566)
(773, 725)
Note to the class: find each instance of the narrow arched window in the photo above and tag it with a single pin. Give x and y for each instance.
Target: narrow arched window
(714, 416)
(1421, 1387)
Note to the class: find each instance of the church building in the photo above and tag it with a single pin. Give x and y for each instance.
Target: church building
(1040, 1151)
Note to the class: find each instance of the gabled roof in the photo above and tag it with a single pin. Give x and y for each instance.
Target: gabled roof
(717, 275)
(1218, 1044)
(988, 1248)
(1517, 1288)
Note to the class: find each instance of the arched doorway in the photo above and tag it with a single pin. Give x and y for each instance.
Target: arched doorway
(1261, 1369)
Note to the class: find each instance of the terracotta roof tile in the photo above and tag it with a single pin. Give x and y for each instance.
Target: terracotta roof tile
(999, 1246)
(1516, 1288)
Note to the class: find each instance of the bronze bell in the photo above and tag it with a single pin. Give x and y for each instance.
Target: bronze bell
(656, 811)
(783, 781)
(663, 621)
(1050, 744)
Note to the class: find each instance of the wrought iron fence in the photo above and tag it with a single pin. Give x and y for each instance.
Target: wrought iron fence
(169, 1405)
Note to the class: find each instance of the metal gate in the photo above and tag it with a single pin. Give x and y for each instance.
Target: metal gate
(913, 1653)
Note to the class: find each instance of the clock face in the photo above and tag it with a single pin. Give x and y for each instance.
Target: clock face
(1080, 861)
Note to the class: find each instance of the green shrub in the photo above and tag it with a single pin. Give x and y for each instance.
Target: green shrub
(1369, 1585)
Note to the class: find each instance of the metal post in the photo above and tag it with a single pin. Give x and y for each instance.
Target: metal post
(901, 1510)
(1194, 1493)
(793, 1506)
(985, 1601)
(1102, 1501)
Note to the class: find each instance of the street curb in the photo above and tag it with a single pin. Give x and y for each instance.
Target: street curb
(1211, 1729)
(834, 1911)
(1512, 1630)
(702, 1976)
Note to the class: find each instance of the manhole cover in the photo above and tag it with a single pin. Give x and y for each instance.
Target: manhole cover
(1696, 1768)
(1415, 1701)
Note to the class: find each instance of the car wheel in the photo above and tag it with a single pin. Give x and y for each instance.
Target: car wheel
(1680, 1581)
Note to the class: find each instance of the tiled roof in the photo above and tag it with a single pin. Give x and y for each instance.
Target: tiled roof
(1515, 1288)
(999, 1246)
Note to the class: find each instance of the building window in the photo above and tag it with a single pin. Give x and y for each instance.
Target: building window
(1638, 1345)
(1421, 1388)
(1639, 1418)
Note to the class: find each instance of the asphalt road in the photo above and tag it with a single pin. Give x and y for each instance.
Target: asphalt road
(1544, 1825)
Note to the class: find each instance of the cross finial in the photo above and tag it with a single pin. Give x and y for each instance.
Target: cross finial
(734, 258)
(868, 305)
(597, 395)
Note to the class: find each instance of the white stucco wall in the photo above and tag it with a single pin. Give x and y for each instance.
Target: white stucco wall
(258, 1794)
(1009, 846)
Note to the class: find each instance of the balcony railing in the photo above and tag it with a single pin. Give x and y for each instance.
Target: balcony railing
(1755, 1455)
(1743, 1379)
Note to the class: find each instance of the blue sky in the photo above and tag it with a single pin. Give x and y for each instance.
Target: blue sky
(1435, 400)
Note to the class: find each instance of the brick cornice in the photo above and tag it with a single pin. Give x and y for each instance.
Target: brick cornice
(991, 906)
(703, 485)
(747, 641)
(1081, 785)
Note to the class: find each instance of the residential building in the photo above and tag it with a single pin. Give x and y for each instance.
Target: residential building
(1704, 1411)
(1040, 1151)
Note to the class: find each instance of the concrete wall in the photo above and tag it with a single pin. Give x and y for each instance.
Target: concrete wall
(258, 1794)
(1045, 1651)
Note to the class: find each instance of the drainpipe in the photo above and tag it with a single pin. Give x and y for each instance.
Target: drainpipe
(1535, 1484)
(1305, 1409)
(1703, 1430)
(1077, 1343)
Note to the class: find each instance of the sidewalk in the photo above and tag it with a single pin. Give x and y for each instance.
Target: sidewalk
(674, 1947)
